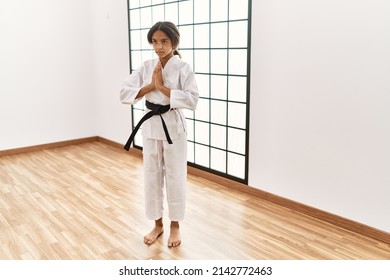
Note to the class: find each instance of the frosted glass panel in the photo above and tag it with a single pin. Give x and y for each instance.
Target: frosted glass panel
(218, 112)
(218, 160)
(189, 114)
(186, 12)
(202, 155)
(136, 59)
(135, 20)
(172, 13)
(202, 61)
(186, 37)
(158, 13)
(238, 9)
(203, 84)
(147, 55)
(219, 10)
(219, 35)
(202, 134)
(136, 40)
(190, 151)
(133, 4)
(190, 130)
(238, 37)
(144, 40)
(202, 36)
(146, 18)
(144, 3)
(203, 112)
(236, 165)
(236, 140)
(218, 136)
(237, 62)
(218, 87)
(219, 61)
(187, 56)
(138, 114)
(237, 88)
(154, 2)
(237, 115)
(201, 11)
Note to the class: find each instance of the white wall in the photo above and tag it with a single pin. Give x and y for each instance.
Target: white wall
(320, 105)
(111, 67)
(46, 72)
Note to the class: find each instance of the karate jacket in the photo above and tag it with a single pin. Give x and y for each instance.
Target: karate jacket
(177, 76)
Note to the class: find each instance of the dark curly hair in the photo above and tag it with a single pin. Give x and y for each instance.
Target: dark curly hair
(170, 30)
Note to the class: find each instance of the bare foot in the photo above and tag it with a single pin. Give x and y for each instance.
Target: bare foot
(174, 239)
(154, 234)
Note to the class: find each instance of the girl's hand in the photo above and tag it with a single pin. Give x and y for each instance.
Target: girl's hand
(157, 76)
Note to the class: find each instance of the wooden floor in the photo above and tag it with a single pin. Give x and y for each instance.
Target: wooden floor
(85, 202)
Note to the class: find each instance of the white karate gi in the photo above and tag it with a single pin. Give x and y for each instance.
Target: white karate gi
(164, 161)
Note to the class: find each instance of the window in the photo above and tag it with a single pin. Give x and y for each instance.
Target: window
(215, 41)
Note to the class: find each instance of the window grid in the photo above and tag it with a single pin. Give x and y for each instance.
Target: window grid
(234, 148)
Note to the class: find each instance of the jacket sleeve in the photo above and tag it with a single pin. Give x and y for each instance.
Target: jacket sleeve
(187, 97)
(131, 86)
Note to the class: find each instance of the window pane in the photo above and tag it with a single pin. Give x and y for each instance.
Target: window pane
(236, 140)
(218, 136)
(185, 12)
(154, 2)
(218, 87)
(186, 37)
(136, 59)
(144, 3)
(202, 134)
(202, 36)
(201, 61)
(190, 130)
(147, 55)
(158, 13)
(190, 152)
(236, 165)
(135, 20)
(219, 35)
(203, 112)
(187, 56)
(237, 88)
(238, 9)
(202, 155)
(237, 115)
(138, 114)
(201, 11)
(219, 61)
(144, 40)
(218, 160)
(133, 4)
(219, 10)
(218, 112)
(135, 39)
(203, 84)
(172, 13)
(146, 18)
(237, 62)
(238, 34)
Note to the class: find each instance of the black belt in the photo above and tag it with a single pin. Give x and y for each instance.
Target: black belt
(155, 110)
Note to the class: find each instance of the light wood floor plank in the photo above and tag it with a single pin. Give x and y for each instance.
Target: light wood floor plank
(85, 201)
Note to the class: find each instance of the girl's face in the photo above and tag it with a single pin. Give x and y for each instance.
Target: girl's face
(162, 45)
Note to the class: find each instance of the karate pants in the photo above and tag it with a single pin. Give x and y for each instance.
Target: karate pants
(165, 164)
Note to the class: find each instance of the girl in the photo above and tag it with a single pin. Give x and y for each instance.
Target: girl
(168, 85)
